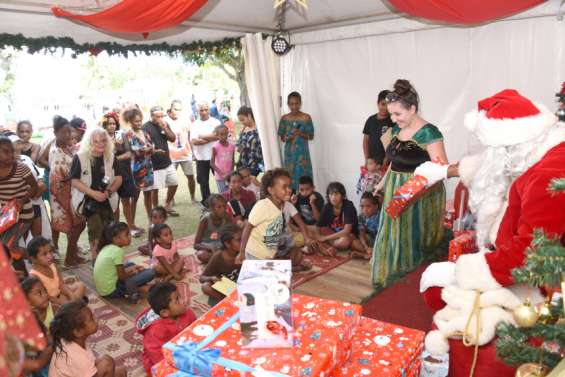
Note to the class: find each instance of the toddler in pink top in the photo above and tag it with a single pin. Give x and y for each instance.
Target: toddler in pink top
(222, 158)
(166, 260)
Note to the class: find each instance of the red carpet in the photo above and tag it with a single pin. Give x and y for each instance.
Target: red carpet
(401, 303)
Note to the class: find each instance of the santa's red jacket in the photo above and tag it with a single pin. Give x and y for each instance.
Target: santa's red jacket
(531, 206)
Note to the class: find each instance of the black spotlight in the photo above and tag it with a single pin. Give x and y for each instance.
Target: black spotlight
(280, 45)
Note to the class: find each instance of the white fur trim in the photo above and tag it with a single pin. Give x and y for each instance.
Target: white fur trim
(473, 272)
(504, 132)
(436, 344)
(468, 166)
(500, 297)
(440, 274)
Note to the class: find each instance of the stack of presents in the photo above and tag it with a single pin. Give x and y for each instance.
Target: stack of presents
(263, 330)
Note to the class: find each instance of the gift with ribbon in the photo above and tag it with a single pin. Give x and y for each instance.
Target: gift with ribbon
(426, 178)
(464, 242)
(383, 349)
(212, 345)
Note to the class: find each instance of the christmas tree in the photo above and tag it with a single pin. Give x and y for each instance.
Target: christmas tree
(544, 342)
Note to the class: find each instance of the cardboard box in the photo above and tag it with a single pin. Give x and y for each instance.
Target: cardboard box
(263, 290)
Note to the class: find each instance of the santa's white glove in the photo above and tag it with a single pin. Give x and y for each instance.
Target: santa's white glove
(432, 171)
(441, 274)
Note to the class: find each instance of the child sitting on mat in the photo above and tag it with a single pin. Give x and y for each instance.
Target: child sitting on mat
(43, 266)
(164, 319)
(338, 225)
(166, 260)
(222, 263)
(263, 235)
(368, 227)
(206, 241)
(158, 216)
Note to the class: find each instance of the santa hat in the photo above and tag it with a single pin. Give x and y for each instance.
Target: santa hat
(508, 118)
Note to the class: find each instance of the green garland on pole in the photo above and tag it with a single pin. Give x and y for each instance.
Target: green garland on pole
(50, 44)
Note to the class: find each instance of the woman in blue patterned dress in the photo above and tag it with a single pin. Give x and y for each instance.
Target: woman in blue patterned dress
(403, 243)
(142, 148)
(295, 130)
(249, 144)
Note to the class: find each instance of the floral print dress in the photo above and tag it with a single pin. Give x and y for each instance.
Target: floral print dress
(62, 217)
(142, 167)
(250, 152)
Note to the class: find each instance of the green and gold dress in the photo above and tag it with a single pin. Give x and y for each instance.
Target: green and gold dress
(403, 243)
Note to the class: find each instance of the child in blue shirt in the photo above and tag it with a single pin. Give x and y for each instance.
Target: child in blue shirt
(368, 226)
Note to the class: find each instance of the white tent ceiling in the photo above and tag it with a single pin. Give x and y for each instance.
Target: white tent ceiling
(216, 20)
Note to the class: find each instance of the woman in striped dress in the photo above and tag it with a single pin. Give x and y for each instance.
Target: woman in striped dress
(403, 243)
(16, 181)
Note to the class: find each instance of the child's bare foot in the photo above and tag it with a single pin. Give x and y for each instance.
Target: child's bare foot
(328, 251)
(74, 261)
(303, 267)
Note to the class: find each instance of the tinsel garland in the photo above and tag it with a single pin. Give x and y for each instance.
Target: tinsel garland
(192, 50)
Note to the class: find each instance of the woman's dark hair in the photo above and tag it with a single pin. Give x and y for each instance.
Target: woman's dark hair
(106, 119)
(6, 141)
(66, 321)
(336, 187)
(59, 122)
(245, 111)
(28, 283)
(227, 233)
(295, 95)
(382, 95)
(160, 209)
(269, 178)
(233, 174)
(404, 93)
(212, 199)
(23, 122)
(110, 231)
(155, 232)
(35, 244)
(129, 114)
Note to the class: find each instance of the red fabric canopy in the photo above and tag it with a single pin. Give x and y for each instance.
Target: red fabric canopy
(463, 11)
(138, 16)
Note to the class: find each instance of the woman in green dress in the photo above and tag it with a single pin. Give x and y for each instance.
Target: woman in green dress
(295, 130)
(403, 243)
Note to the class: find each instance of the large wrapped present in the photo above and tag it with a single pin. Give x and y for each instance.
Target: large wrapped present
(464, 242)
(404, 196)
(263, 288)
(383, 349)
(323, 331)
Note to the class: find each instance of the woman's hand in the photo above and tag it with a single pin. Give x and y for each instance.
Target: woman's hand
(99, 196)
(453, 170)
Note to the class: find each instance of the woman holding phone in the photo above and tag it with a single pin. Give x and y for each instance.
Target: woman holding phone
(295, 130)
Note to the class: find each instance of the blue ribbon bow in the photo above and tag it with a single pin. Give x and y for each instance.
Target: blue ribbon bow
(192, 360)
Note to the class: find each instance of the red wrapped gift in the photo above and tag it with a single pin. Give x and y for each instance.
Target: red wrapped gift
(465, 242)
(9, 214)
(404, 196)
(322, 340)
(383, 349)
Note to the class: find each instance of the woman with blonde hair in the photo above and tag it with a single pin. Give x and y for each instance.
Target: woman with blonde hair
(96, 177)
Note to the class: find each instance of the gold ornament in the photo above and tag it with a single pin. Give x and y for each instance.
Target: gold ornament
(525, 315)
(544, 313)
(532, 370)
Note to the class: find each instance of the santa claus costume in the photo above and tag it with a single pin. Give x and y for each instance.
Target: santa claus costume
(509, 193)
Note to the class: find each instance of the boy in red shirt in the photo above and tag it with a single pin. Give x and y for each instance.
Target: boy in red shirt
(159, 323)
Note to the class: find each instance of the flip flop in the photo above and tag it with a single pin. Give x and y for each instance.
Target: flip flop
(173, 213)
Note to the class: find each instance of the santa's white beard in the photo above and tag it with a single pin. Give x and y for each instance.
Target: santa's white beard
(499, 167)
